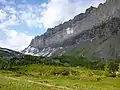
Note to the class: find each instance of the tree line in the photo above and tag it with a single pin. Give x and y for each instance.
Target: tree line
(109, 66)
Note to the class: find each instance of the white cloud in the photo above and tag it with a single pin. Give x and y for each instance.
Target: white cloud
(2, 15)
(30, 15)
(58, 11)
(14, 40)
(9, 22)
(48, 14)
(27, 14)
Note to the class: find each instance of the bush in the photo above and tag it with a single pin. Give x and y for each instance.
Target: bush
(118, 73)
(107, 69)
(98, 72)
(60, 71)
(90, 73)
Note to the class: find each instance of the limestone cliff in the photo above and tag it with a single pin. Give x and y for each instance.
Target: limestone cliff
(83, 28)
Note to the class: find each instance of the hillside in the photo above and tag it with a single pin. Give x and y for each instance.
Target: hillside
(7, 53)
(94, 34)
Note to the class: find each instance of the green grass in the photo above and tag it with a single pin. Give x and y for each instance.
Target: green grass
(8, 84)
(57, 78)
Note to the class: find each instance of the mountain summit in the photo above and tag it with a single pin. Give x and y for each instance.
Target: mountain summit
(93, 34)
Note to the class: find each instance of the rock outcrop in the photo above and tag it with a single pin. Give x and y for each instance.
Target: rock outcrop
(95, 24)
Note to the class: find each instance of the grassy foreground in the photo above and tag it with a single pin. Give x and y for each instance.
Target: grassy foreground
(45, 77)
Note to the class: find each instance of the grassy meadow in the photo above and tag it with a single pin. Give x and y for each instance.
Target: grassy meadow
(49, 77)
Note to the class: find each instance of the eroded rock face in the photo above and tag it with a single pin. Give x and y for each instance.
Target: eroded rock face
(76, 31)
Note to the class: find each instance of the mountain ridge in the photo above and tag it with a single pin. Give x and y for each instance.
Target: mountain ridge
(8, 53)
(62, 36)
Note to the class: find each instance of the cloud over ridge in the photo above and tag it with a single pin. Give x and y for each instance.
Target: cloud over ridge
(14, 13)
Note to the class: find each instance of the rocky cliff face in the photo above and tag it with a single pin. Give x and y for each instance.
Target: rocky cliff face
(95, 24)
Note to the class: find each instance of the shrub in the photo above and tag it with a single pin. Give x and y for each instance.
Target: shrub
(107, 69)
(118, 73)
(98, 72)
(110, 69)
(90, 73)
(60, 71)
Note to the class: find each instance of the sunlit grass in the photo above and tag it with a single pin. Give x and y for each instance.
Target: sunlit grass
(77, 78)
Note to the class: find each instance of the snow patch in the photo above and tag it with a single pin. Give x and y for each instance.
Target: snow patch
(44, 52)
(69, 30)
(31, 50)
(61, 47)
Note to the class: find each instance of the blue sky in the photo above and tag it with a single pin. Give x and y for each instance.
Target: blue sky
(21, 20)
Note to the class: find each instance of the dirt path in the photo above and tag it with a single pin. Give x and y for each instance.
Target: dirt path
(43, 84)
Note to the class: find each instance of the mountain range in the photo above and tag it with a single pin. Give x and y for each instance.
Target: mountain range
(94, 34)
